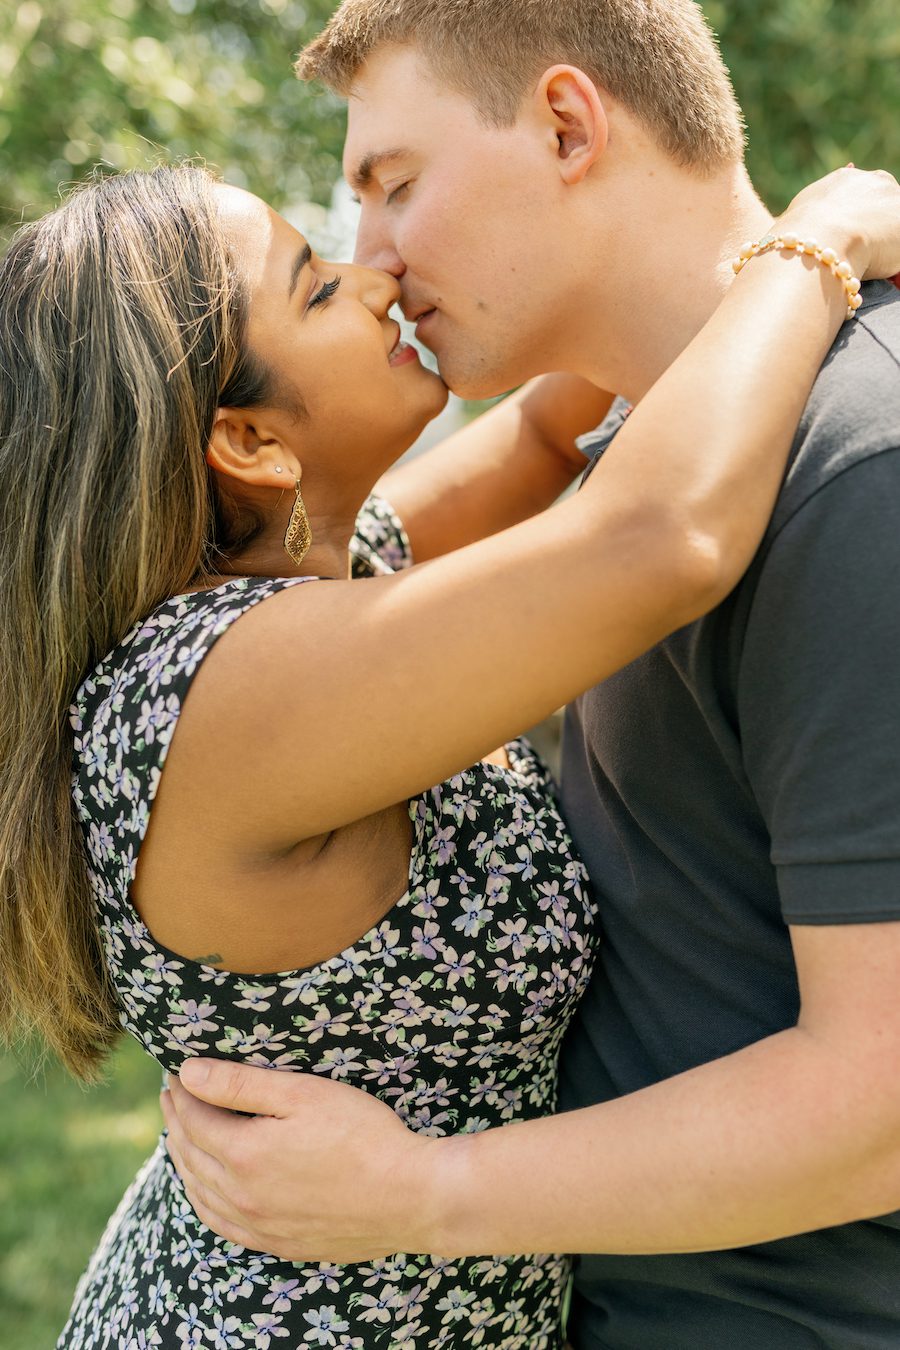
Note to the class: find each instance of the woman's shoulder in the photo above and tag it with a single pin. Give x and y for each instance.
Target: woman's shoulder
(156, 660)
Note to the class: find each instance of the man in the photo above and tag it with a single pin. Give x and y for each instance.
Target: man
(561, 187)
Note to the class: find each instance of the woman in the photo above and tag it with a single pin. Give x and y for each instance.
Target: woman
(180, 372)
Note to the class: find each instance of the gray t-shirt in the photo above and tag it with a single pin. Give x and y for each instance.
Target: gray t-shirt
(742, 776)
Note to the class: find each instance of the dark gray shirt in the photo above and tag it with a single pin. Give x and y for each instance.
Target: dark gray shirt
(743, 776)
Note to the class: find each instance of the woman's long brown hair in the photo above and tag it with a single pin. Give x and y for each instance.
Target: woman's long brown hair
(121, 330)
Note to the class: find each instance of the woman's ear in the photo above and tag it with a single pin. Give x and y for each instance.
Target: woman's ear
(570, 102)
(242, 449)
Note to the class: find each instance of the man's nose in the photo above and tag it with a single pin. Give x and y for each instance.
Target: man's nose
(375, 248)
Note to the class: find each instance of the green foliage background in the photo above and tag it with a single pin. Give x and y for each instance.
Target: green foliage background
(86, 81)
(118, 81)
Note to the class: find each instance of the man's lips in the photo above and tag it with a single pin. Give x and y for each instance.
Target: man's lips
(416, 313)
(424, 317)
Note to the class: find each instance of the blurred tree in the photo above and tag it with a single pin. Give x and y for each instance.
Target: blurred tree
(819, 81)
(115, 81)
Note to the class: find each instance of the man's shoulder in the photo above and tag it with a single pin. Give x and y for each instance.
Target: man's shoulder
(853, 412)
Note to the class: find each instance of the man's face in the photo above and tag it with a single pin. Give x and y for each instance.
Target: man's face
(465, 216)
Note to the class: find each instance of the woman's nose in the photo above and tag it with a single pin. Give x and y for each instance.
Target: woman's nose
(376, 289)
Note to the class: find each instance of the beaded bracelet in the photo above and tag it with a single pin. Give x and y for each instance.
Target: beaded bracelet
(826, 256)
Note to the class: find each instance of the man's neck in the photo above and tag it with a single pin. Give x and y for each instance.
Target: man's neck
(672, 276)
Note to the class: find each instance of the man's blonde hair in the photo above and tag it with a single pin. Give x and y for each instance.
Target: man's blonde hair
(659, 58)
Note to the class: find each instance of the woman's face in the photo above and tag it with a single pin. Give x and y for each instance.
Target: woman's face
(323, 331)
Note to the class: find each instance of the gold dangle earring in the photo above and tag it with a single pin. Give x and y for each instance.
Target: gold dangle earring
(299, 535)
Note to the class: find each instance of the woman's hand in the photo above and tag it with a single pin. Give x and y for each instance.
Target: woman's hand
(321, 1172)
(857, 213)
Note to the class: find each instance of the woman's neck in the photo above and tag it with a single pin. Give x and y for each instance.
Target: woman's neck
(328, 554)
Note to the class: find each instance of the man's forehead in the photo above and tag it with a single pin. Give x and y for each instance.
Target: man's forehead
(395, 101)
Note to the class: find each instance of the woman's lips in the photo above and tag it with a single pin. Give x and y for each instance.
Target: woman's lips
(403, 354)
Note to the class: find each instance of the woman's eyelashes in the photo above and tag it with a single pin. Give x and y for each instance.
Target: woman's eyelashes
(327, 291)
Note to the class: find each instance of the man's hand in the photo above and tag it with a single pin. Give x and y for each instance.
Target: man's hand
(793, 1133)
(348, 1175)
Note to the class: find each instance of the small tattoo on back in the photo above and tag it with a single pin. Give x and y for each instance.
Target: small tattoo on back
(212, 959)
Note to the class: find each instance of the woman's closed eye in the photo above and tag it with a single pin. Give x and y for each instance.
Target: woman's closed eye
(327, 291)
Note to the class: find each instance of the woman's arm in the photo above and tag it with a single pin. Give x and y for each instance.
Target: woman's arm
(341, 699)
(504, 467)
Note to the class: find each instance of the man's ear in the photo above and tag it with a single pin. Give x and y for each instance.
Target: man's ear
(243, 449)
(570, 103)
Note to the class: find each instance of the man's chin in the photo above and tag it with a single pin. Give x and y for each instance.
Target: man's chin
(475, 385)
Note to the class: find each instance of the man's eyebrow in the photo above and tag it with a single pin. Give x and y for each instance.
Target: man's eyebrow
(300, 262)
(361, 177)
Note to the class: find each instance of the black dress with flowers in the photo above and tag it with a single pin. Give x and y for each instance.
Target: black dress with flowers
(451, 1009)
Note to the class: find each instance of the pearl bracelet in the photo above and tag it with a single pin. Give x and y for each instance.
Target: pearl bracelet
(826, 256)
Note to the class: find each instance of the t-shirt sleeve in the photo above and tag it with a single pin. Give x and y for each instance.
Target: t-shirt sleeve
(380, 544)
(819, 699)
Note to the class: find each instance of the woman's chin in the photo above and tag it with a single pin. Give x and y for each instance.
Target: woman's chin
(434, 396)
(442, 395)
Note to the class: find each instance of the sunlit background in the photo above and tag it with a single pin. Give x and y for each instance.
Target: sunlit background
(122, 83)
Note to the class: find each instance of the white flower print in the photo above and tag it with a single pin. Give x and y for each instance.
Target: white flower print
(427, 940)
(304, 988)
(224, 1334)
(195, 1015)
(267, 1325)
(257, 997)
(454, 1303)
(475, 914)
(162, 968)
(491, 1268)
(458, 1013)
(191, 1331)
(431, 900)
(324, 1322)
(338, 1063)
(282, 1293)
(456, 967)
(385, 944)
(514, 936)
(398, 1069)
(380, 1309)
(323, 1277)
(254, 1040)
(155, 715)
(451, 1009)
(445, 843)
(324, 1022)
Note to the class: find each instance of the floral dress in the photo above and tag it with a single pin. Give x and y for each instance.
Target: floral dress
(451, 1009)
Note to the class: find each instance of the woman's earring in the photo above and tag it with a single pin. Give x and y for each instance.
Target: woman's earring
(299, 535)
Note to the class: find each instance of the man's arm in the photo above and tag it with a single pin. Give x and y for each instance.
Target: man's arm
(797, 1132)
(502, 468)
